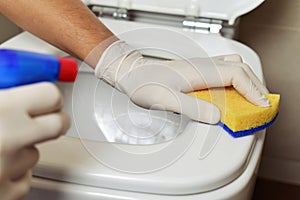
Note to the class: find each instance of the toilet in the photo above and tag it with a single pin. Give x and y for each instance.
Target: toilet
(180, 158)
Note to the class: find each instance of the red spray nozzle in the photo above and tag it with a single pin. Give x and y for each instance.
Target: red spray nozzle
(68, 69)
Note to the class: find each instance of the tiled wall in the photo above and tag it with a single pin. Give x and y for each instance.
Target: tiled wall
(273, 31)
(7, 29)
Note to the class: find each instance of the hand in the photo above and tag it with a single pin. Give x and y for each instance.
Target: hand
(163, 84)
(28, 115)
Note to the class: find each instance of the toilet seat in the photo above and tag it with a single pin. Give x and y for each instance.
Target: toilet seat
(201, 159)
(194, 170)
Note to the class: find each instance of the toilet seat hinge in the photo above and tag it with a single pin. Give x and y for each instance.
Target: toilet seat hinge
(202, 24)
(192, 23)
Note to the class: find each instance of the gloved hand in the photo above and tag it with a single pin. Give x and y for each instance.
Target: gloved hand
(28, 115)
(163, 84)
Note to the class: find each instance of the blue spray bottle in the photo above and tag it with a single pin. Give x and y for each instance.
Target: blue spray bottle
(23, 67)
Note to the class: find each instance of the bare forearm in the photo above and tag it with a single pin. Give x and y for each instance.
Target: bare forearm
(67, 24)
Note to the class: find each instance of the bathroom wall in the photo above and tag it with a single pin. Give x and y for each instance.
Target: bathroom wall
(273, 31)
(7, 29)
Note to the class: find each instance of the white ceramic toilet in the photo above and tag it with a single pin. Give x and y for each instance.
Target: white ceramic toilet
(189, 160)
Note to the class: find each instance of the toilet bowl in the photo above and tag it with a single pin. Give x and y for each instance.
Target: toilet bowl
(180, 158)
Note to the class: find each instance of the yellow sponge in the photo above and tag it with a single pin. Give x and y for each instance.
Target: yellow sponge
(238, 116)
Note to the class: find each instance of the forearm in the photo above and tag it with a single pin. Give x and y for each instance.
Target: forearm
(66, 24)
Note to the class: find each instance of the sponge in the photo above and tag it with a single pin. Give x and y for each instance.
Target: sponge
(238, 116)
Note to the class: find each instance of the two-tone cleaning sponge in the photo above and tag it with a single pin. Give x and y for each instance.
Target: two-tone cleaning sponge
(238, 116)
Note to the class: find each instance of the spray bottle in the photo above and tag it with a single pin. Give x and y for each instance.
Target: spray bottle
(24, 67)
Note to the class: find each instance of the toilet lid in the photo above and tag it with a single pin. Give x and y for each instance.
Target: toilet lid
(227, 10)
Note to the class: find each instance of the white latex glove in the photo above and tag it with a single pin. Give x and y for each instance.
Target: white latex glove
(162, 84)
(28, 115)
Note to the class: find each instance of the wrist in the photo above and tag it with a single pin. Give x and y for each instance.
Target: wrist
(116, 61)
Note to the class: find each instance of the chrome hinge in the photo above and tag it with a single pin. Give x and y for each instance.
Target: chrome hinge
(104, 11)
(121, 13)
(203, 24)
